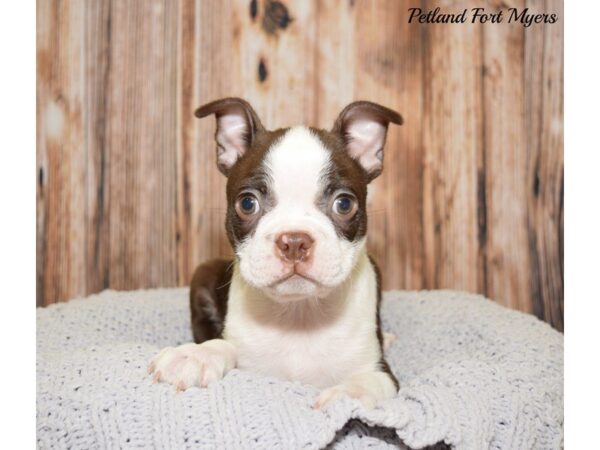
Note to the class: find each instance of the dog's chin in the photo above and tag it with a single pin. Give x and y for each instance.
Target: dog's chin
(296, 288)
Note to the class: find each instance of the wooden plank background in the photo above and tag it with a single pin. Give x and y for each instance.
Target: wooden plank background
(128, 194)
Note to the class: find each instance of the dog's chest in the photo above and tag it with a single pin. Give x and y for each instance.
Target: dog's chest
(318, 344)
(319, 357)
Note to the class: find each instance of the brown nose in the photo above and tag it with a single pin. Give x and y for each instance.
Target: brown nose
(294, 247)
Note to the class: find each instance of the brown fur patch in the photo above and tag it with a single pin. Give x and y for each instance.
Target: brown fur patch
(248, 173)
(344, 173)
(209, 292)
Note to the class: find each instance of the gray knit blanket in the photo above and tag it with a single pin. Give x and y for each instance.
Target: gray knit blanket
(473, 375)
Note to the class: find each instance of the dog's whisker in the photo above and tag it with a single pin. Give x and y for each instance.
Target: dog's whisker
(226, 284)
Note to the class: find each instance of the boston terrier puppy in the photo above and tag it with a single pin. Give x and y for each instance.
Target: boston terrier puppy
(300, 301)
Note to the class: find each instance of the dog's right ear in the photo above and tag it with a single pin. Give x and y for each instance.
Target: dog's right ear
(363, 126)
(237, 125)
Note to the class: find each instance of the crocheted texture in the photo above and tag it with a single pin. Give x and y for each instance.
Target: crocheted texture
(473, 375)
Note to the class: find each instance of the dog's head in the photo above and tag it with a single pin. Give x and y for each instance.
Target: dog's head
(296, 213)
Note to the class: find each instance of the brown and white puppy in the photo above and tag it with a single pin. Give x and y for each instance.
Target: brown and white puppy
(300, 301)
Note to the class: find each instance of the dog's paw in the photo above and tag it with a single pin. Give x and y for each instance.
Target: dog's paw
(193, 364)
(369, 388)
(330, 395)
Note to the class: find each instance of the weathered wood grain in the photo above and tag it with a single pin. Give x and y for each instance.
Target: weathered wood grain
(208, 39)
(141, 143)
(61, 154)
(543, 66)
(505, 167)
(389, 70)
(128, 195)
(452, 134)
(273, 61)
(98, 30)
(336, 38)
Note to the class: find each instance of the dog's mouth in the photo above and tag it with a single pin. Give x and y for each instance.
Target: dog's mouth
(292, 275)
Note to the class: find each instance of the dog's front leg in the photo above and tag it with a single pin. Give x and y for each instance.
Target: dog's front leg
(368, 387)
(194, 364)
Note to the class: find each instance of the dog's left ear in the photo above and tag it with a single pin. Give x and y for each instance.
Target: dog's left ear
(363, 126)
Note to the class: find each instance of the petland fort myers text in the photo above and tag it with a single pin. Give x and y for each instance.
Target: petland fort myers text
(480, 15)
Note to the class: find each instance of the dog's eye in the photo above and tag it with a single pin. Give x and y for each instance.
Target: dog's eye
(247, 205)
(345, 205)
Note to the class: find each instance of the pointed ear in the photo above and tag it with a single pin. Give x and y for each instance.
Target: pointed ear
(363, 126)
(237, 125)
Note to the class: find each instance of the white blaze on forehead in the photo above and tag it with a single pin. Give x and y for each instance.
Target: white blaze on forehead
(296, 163)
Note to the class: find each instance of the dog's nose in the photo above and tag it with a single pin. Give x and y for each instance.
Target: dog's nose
(294, 247)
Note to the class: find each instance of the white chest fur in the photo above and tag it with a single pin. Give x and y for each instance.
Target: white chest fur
(318, 342)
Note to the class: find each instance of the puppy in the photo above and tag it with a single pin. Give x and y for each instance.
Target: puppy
(300, 301)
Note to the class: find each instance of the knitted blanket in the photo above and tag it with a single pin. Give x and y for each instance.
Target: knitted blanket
(473, 375)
